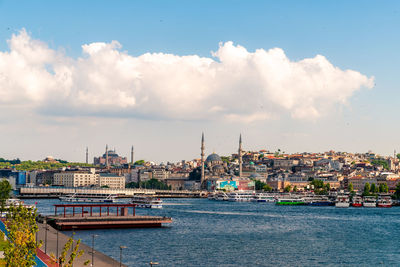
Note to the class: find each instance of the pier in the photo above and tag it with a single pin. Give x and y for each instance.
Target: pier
(101, 216)
(55, 192)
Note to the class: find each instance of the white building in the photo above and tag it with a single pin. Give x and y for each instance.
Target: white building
(111, 180)
(76, 178)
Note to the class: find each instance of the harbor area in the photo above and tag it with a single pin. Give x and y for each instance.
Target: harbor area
(101, 216)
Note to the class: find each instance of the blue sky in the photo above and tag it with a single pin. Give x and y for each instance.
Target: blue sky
(358, 35)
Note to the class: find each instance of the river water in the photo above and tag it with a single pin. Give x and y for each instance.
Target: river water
(216, 233)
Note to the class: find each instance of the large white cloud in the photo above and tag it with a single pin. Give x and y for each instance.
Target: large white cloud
(234, 83)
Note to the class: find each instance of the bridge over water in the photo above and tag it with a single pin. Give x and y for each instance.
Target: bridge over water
(55, 192)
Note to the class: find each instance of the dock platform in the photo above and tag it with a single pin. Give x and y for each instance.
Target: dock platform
(101, 216)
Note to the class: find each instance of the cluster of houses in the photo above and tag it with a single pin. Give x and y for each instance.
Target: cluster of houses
(235, 172)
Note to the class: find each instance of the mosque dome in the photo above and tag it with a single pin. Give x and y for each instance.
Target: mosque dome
(254, 176)
(213, 157)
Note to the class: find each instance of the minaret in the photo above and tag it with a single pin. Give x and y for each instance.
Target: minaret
(240, 155)
(107, 156)
(132, 155)
(87, 155)
(202, 160)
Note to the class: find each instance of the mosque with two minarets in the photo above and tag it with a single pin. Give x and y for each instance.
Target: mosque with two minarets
(215, 172)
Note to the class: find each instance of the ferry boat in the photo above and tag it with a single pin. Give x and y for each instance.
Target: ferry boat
(222, 196)
(290, 201)
(369, 202)
(15, 202)
(357, 202)
(260, 197)
(342, 201)
(147, 202)
(94, 198)
(384, 202)
(240, 197)
(212, 196)
(319, 201)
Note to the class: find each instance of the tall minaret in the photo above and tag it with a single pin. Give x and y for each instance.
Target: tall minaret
(202, 160)
(240, 155)
(107, 156)
(87, 155)
(132, 155)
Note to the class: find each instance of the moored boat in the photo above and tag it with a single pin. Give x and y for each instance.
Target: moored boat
(357, 202)
(369, 202)
(290, 201)
(260, 197)
(384, 202)
(147, 202)
(342, 201)
(95, 198)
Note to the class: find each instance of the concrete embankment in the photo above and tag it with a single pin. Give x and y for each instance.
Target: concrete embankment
(100, 259)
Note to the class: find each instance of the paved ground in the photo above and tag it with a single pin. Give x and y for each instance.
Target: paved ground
(100, 260)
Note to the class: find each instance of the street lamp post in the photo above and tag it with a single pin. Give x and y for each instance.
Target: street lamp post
(120, 255)
(57, 246)
(93, 236)
(45, 238)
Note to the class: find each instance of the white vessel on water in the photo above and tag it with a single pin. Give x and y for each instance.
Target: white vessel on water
(240, 197)
(261, 197)
(342, 201)
(94, 198)
(369, 202)
(147, 202)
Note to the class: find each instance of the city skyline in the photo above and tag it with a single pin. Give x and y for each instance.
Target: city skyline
(116, 74)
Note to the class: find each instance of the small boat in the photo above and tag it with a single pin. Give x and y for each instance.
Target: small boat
(319, 201)
(212, 196)
(240, 197)
(95, 198)
(357, 202)
(222, 196)
(342, 201)
(147, 202)
(384, 202)
(260, 197)
(290, 201)
(369, 202)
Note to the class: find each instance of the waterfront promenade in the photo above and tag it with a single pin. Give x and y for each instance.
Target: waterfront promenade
(100, 260)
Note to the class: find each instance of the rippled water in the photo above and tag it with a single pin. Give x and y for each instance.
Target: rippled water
(213, 233)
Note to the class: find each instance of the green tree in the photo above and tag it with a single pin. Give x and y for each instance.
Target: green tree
(367, 189)
(374, 189)
(295, 188)
(287, 188)
(5, 190)
(385, 188)
(139, 162)
(267, 188)
(225, 159)
(68, 260)
(397, 192)
(20, 249)
(350, 187)
(259, 185)
(327, 186)
(380, 162)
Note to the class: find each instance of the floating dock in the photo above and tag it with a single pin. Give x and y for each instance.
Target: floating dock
(101, 216)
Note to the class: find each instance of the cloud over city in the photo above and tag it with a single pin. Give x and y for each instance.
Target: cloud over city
(232, 83)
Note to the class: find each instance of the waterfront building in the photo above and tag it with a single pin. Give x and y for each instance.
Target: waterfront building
(76, 178)
(111, 180)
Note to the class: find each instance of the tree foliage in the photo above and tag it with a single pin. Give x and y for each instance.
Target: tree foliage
(287, 188)
(21, 246)
(5, 191)
(40, 165)
(350, 187)
(397, 192)
(380, 162)
(139, 162)
(367, 189)
(67, 260)
(150, 184)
